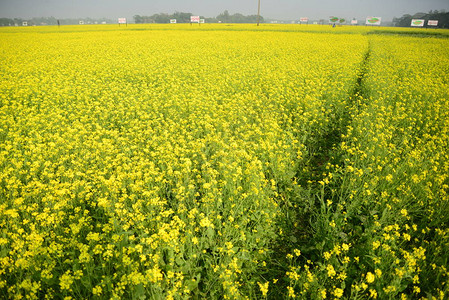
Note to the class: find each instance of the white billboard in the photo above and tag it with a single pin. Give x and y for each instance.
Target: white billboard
(122, 20)
(172, 21)
(354, 22)
(304, 20)
(373, 20)
(432, 23)
(194, 19)
(417, 23)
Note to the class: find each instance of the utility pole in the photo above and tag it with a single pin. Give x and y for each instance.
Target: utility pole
(258, 13)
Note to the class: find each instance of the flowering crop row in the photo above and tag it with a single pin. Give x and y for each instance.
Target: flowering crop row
(223, 161)
(383, 221)
(157, 162)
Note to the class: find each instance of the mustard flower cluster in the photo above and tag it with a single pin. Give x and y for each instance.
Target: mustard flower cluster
(223, 162)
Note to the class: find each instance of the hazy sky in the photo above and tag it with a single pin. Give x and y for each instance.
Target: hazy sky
(280, 9)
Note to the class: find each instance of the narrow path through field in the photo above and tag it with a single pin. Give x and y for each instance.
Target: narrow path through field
(303, 231)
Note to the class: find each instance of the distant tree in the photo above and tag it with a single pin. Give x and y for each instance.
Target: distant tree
(211, 20)
(161, 18)
(403, 21)
(18, 21)
(225, 17)
(137, 19)
(253, 19)
(44, 21)
(142, 19)
(442, 17)
(419, 15)
(6, 22)
(180, 17)
(51, 21)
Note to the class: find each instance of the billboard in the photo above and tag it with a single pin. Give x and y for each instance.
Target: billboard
(122, 20)
(202, 21)
(432, 23)
(417, 23)
(333, 19)
(172, 21)
(194, 19)
(304, 20)
(354, 22)
(373, 20)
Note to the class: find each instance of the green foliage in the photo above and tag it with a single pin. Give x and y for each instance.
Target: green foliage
(180, 17)
(442, 17)
(225, 17)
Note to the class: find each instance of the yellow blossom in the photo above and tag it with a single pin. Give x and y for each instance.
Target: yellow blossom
(370, 277)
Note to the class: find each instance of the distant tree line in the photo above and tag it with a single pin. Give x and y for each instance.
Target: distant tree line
(51, 21)
(442, 17)
(10, 22)
(225, 17)
(182, 17)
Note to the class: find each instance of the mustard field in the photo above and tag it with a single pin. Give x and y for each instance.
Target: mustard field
(224, 161)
